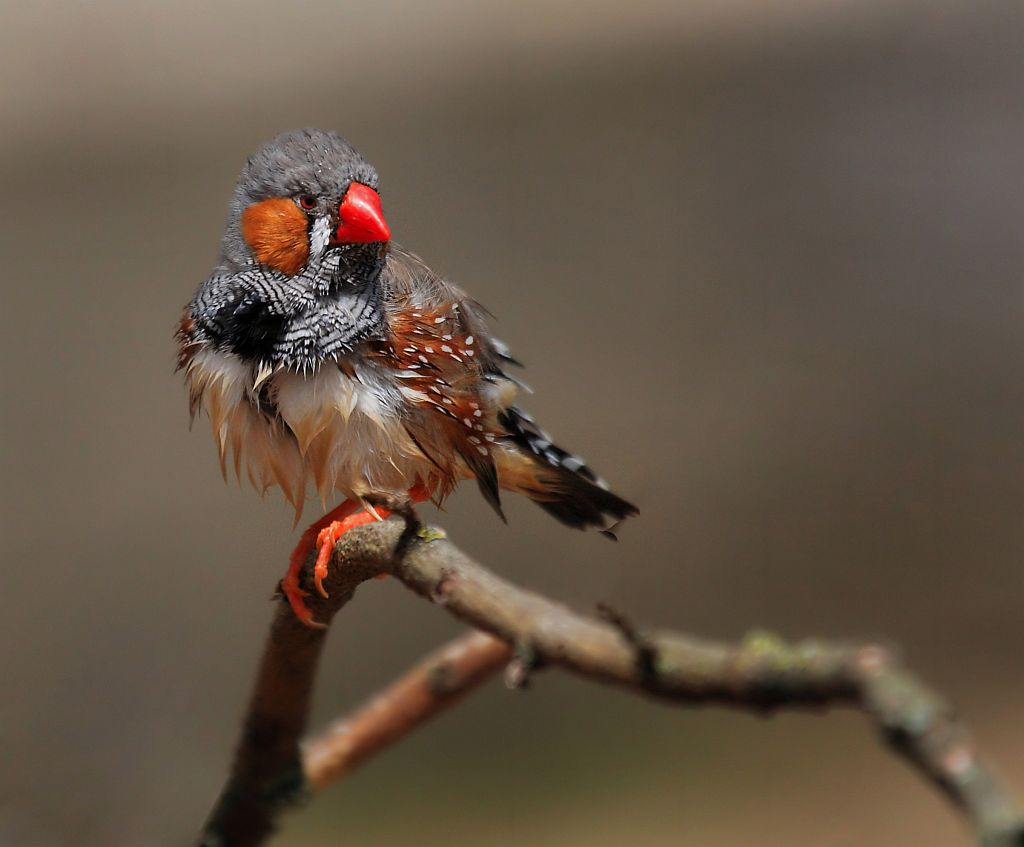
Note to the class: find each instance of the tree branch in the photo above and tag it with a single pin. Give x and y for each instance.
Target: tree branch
(439, 681)
(762, 672)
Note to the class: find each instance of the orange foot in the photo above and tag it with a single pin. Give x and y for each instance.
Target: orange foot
(329, 536)
(324, 534)
(296, 599)
(290, 586)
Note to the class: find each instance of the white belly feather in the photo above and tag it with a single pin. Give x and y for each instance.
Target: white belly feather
(344, 433)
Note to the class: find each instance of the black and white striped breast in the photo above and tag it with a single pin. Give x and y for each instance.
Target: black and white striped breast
(294, 322)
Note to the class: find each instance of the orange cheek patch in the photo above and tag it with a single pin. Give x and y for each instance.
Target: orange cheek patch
(275, 230)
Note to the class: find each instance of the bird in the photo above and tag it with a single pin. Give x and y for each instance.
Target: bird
(328, 357)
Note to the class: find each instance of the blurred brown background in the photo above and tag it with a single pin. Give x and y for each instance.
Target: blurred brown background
(763, 260)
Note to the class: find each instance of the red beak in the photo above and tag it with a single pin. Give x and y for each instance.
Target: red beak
(362, 220)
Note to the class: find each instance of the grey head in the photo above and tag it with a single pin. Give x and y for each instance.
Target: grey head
(298, 279)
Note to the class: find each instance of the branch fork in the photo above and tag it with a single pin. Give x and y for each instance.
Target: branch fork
(523, 632)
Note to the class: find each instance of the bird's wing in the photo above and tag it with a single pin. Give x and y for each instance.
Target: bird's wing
(516, 454)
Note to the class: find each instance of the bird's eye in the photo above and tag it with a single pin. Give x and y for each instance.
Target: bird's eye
(307, 202)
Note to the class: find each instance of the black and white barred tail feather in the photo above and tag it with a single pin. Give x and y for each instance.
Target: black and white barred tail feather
(565, 487)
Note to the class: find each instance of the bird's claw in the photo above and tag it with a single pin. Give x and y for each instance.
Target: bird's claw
(329, 536)
(325, 542)
(295, 595)
(323, 536)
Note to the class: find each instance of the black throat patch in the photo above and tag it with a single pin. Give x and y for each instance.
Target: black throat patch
(296, 322)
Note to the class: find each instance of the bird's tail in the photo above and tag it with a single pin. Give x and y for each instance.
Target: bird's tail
(559, 482)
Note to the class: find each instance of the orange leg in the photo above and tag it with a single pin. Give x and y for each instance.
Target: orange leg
(290, 584)
(325, 534)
